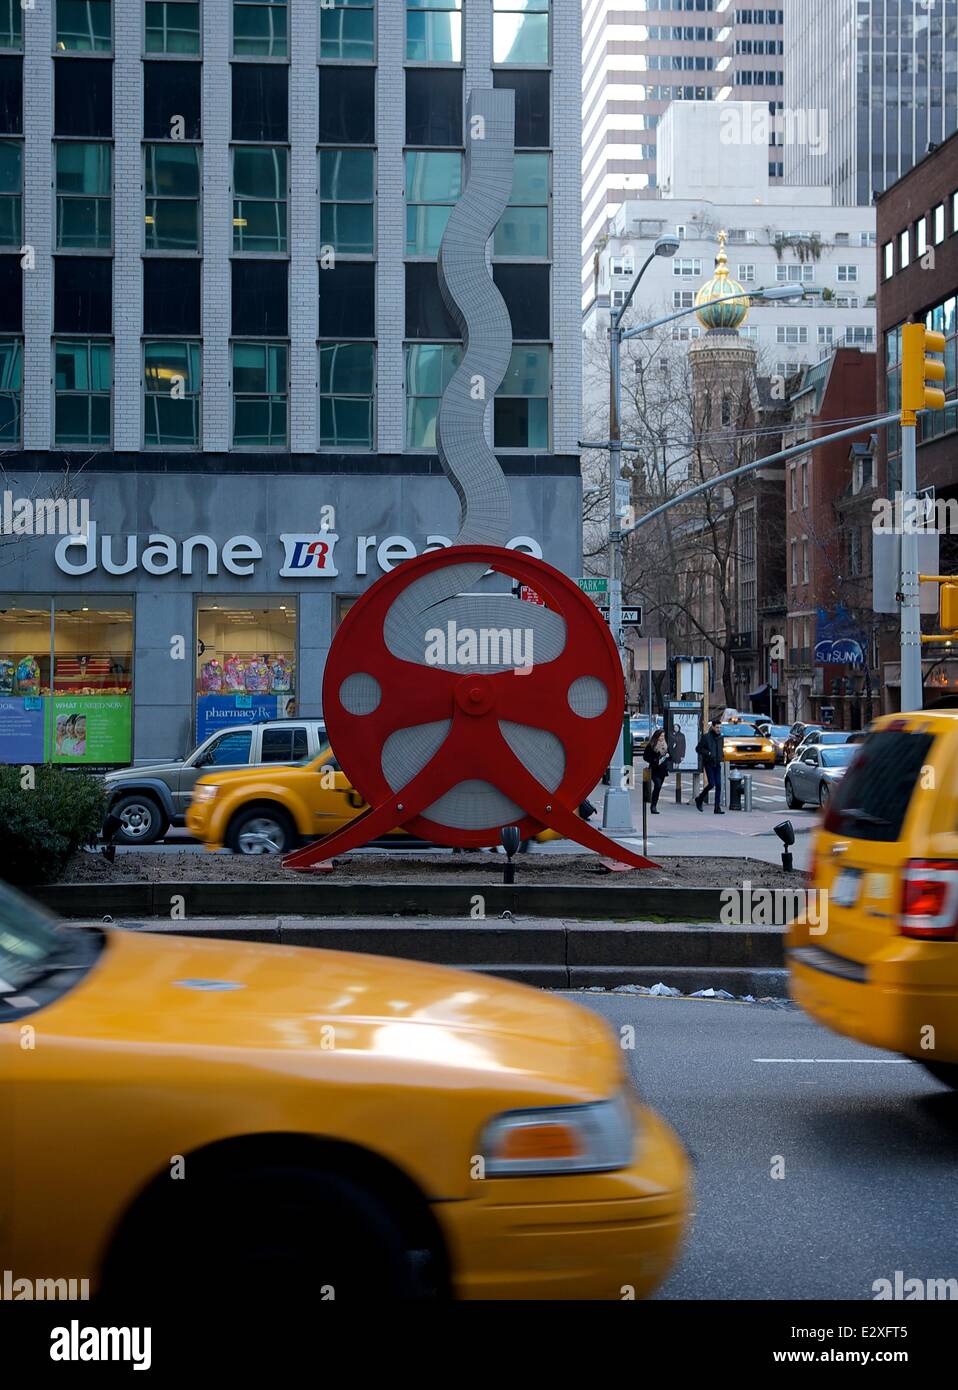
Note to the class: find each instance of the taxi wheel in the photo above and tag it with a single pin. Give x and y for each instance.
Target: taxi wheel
(791, 800)
(945, 1072)
(261, 830)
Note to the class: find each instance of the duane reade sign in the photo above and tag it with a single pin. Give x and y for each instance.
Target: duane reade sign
(304, 555)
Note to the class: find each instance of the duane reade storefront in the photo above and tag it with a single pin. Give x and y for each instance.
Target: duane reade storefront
(193, 604)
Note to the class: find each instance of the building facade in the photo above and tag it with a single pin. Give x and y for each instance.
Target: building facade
(639, 58)
(222, 333)
(880, 78)
(918, 282)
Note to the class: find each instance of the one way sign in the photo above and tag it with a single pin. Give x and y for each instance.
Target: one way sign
(631, 617)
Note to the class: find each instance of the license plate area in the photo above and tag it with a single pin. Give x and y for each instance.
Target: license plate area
(846, 887)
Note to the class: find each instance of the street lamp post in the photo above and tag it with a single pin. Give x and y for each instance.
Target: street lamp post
(617, 803)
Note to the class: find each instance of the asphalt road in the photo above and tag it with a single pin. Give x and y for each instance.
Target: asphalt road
(869, 1144)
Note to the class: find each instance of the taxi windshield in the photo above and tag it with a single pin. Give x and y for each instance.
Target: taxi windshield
(739, 731)
(29, 939)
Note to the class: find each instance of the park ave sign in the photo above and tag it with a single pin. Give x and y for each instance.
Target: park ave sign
(306, 555)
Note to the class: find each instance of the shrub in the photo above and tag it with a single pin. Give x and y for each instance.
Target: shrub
(40, 827)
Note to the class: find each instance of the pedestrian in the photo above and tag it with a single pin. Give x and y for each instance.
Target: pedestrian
(710, 746)
(656, 754)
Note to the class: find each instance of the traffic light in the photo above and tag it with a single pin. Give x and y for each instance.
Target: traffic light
(948, 607)
(917, 370)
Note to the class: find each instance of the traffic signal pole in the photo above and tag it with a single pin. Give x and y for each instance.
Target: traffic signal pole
(917, 370)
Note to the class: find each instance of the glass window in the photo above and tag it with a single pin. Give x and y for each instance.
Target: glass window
(433, 107)
(82, 294)
(346, 192)
(520, 31)
(429, 369)
(523, 229)
(526, 290)
(172, 183)
(888, 260)
(347, 106)
(171, 395)
(904, 251)
(938, 223)
(171, 95)
(286, 745)
(11, 24)
(172, 26)
(83, 384)
(434, 31)
(260, 297)
(260, 395)
(259, 28)
(11, 193)
(921, 236)
(433, 186)
(427, 315)
(83, 99)
(171, 297)
(347, 300)
(347, 31)
(89, 716)
(260, 102)
(84, 26)
(229, 750)
(259, 198)
(522, 401)
(346, 395)
(533, 122)
(84, 179)
(246, 670)
(11, 391)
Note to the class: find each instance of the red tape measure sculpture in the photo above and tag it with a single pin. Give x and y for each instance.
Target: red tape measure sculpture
(370, 696)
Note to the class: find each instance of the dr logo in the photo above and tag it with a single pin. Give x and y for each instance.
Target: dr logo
(309, 557)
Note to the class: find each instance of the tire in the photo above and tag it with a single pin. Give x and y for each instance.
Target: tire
(791, 800)
(267, 1232)
(261, 830)
(824, 792)
(143, 821)
(946, 1072)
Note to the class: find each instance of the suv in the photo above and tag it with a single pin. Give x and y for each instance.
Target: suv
(148, 800)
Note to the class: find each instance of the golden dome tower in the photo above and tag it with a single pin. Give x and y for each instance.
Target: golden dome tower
(721, 302)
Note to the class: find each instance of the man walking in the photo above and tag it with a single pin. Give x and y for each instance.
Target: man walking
(710, 747)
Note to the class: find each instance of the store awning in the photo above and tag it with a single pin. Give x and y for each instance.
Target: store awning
(757, 693)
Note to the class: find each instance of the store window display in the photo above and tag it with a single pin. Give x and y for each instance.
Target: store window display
(66, 680)
(245, 663)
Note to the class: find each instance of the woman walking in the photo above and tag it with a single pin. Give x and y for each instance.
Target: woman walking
(656, 754)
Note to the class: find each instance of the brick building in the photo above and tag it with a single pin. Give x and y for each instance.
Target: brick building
(918, 282)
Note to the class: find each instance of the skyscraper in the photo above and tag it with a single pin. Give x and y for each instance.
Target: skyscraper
(885, 75)
(636, 60)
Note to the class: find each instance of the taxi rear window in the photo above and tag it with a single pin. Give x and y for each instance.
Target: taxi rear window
(871, 800)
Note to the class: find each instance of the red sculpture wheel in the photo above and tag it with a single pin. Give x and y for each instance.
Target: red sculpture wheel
(577, 696)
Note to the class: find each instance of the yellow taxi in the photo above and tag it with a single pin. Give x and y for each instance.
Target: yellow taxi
(271, 808)
(877, 959)
(181, 1118)
(743, 744)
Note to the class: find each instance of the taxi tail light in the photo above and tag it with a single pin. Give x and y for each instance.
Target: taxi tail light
(929, 899)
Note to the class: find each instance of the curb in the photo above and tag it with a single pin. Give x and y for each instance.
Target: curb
(564, 956)
(310, 897)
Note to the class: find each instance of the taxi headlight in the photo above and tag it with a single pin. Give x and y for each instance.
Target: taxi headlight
(559, 1139)
(768, 748)
(206, 792)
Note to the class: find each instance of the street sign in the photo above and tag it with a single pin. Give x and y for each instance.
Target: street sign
(593, 584)
(631, 617)
(622, 497)
(530, 595)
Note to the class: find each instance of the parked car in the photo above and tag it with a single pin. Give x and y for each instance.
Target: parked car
(271, 810)
(148, 800)
(311, 1165)
(812, 775)
(641, 729)
(886, 970)
(745, 745)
